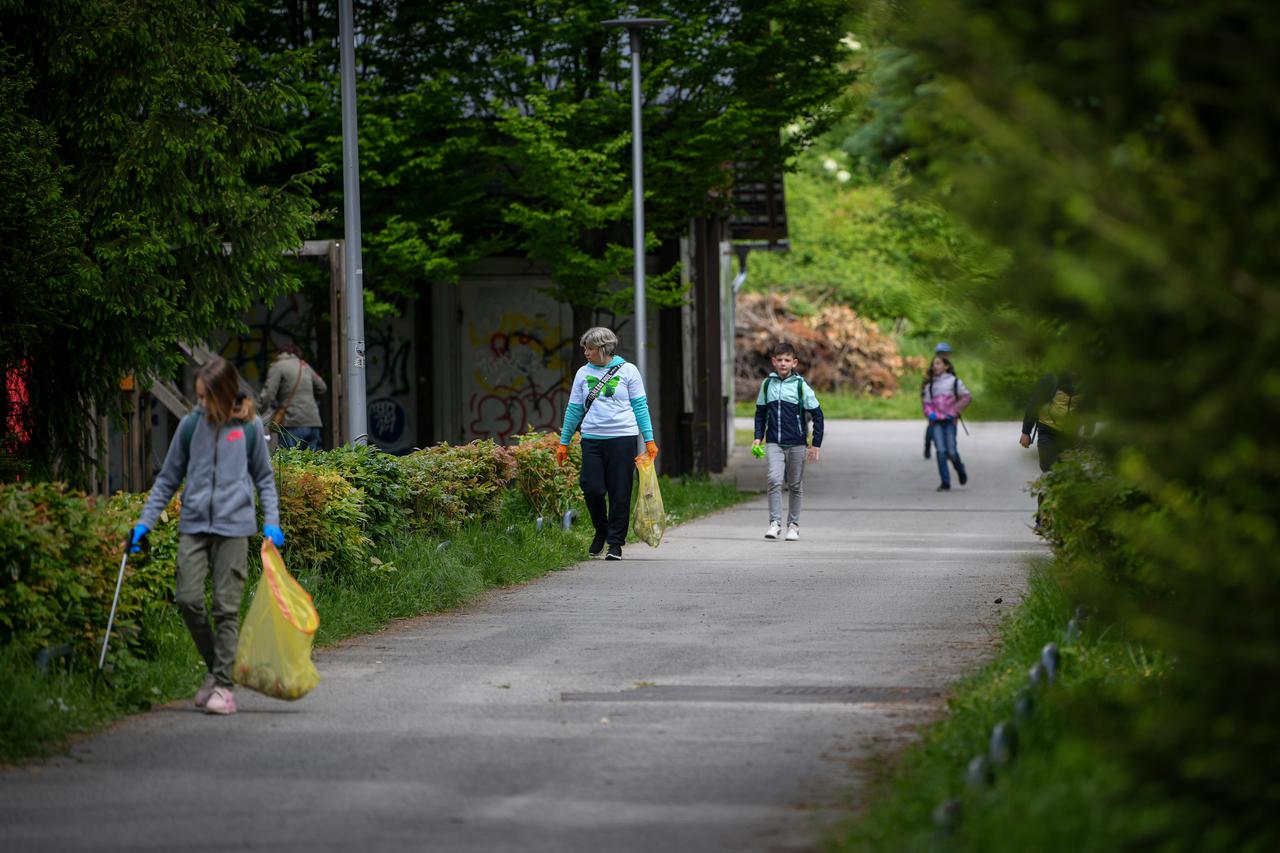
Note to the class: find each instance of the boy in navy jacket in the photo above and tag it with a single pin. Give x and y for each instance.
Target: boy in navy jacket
(783, 408)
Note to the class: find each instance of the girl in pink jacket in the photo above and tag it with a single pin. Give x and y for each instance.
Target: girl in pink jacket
(944, 397)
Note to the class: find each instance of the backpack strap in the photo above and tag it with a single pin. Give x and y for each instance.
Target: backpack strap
(187, 428)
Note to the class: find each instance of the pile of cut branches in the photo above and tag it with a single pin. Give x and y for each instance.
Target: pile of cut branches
(838, 349)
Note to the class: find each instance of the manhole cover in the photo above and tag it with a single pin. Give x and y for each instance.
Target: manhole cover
(846, 693)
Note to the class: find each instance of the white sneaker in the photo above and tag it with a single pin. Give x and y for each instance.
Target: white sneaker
(793, 532)
(774, 529)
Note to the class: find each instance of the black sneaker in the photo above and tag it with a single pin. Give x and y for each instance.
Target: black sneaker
(597, 546)
(943, 488)
(964, 475)
(615, 553)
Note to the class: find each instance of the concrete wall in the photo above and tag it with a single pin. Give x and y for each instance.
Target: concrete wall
(503, 353)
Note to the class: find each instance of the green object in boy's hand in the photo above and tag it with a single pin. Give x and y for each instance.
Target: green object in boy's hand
(757, 450)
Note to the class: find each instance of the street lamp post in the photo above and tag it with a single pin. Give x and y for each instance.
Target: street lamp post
(352, 263)
(634, 27)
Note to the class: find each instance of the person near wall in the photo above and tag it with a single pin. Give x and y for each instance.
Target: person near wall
(607, 400)
(290, 394)
(220, 451)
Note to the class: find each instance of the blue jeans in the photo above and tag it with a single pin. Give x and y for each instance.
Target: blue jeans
(944, 441)
(308, 438)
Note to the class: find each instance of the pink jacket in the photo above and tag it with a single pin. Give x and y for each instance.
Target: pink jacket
(945, 397)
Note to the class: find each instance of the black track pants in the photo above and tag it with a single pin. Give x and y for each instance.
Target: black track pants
(608, 469)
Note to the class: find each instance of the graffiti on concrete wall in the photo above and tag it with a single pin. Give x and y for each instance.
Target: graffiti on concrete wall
(269, 326)
(389, 383)
(520, 376)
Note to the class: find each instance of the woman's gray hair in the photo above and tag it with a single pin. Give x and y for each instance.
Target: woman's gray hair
(600, 338)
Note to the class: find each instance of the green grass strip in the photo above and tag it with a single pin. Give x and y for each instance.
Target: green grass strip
(39, 713)
(1059, 793)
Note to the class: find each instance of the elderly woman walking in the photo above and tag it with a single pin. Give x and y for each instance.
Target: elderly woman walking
(607, 400)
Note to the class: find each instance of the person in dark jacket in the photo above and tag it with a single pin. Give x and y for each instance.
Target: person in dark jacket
(220, 451)
(1053, 417)
(783, 408)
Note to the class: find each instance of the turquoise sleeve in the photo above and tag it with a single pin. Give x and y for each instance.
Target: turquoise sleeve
(641, 407)
(572, 418)
(810, 398)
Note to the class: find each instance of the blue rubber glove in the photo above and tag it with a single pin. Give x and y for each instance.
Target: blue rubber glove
(275, 534)
(933, 416)
(140, 532)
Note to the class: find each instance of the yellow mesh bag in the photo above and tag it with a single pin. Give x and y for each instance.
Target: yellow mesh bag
(650, 520)
(274, 654)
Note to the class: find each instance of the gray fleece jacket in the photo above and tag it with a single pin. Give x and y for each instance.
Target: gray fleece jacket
(221, 472)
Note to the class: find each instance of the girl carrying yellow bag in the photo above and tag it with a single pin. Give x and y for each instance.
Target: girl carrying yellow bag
(274, 655)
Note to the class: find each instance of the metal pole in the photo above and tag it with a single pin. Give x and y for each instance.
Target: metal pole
(637, 189)
(353, 265)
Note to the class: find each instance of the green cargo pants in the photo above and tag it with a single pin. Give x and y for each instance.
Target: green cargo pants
(228, 557)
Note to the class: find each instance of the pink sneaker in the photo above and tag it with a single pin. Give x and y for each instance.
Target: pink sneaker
(205, 691)
(221, 701)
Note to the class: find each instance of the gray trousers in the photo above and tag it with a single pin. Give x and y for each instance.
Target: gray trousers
(226, 556)
(786, 467)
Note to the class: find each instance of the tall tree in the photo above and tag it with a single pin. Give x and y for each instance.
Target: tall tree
(495, 126)
(134, 154)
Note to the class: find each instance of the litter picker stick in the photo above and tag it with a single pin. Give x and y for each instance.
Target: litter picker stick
(106, 638)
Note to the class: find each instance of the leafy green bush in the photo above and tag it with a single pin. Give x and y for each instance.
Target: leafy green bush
(452, 485)
(59, 558)
(1081, 505)
(323, 518)
(548, 487)
(378, 476)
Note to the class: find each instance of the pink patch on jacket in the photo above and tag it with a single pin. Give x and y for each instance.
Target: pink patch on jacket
(235, 435)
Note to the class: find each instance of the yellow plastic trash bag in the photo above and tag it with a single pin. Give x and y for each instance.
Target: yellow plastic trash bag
(650, 517)
(274, 654)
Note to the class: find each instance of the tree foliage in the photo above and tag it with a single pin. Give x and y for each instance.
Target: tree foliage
(864, 230)
(494, 127)
(1123, 158)
(132, 153)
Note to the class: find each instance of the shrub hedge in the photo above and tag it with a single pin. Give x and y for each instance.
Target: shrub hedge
(548, 487)
(60, 549)
(451, 485)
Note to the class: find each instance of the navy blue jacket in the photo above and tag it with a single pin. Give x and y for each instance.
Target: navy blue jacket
(782, 409)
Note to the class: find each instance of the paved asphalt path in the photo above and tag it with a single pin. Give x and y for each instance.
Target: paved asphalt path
(718, 693)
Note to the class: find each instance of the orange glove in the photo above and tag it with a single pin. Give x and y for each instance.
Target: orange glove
(652, 449)
(562, 453)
